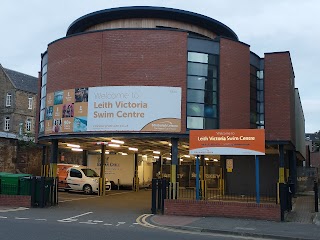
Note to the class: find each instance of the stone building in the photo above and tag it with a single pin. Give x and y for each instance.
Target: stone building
(17, 118)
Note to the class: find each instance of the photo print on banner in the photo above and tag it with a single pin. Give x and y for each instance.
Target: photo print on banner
(66, 111)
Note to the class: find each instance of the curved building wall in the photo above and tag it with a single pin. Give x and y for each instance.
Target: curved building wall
(120, 58)
(151, 23)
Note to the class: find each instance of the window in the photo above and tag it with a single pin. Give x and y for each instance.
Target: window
(75, 173)
(89, 172)
(7, 124)
(256, 98)
(28, 125)
(202, 91)
(30, 102)
(8, 100)
(43, 92)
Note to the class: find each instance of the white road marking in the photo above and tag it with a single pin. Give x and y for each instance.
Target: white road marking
(88, 222)
(3, 217)
(97, 221)
(117, 193)
(14, 209)
(40, 219)
(73, 219)
(242, 228)
(108, 224)
(19, 218)
(77, 199)
(120, 223)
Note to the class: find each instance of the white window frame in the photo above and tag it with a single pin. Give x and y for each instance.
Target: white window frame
(8, 99)
(7, 124)
(30, 102)
(28, 125)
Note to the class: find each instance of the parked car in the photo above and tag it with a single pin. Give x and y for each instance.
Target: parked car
(79, 178)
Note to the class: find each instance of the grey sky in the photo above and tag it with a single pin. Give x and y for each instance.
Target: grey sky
(267, 26)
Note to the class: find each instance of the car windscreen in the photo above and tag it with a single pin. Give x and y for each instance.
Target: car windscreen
(89, 172)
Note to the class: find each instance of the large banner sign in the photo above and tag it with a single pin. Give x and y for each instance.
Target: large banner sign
(227, 142)
(114, 108)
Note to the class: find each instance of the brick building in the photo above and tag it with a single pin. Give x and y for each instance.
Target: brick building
(221, 82)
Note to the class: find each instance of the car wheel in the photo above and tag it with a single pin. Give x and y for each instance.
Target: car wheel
(87, 189)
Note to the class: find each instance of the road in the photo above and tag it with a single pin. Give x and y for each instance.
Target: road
(19, 228)
(119, 215)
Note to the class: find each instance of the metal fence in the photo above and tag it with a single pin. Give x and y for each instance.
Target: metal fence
(218, 195)
(306, 176)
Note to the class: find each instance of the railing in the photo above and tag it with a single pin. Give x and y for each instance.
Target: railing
(218, 195)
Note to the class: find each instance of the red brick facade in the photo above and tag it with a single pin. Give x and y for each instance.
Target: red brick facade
(222, 209)
(279, 97)
(15, 201)
(234, 88)
(119, 58)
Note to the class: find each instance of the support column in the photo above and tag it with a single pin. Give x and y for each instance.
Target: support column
(160, 166)
(85, 157)
(203, 178)
(197, 178)
(281, 164)
(281, 187)
(53, 170)
(54, 158)
(102, 182)
(174, 166)
(136, 176)
(222, 175)
(257, 180)
(202, 168)
(44, 161)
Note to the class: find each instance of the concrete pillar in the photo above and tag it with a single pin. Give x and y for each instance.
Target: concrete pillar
(136, 174)
(102, 182)
(85, 158)
(53, 170)
(54, 158)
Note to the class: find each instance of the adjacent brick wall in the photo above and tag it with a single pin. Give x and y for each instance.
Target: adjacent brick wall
(279, 97)
(234, 85)
(222, 209)
(15, 201)
(120, 58)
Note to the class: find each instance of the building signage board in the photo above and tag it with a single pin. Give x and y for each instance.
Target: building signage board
(114, 108)
(227, 142)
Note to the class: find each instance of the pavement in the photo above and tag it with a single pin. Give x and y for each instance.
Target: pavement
(301, 223)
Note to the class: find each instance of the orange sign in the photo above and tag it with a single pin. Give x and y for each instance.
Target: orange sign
(227, 142)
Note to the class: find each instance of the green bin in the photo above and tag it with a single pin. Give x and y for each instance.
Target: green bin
(10, 183)
(25, 185)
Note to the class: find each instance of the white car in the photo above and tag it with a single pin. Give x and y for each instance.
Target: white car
(82, 178)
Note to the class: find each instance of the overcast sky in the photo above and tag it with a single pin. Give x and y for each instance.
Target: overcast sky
(26, 28)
